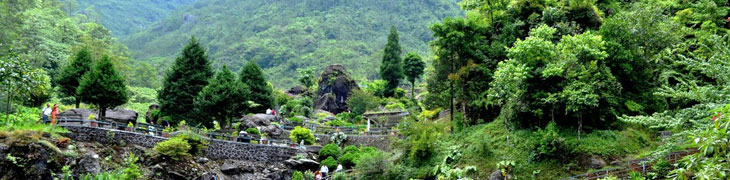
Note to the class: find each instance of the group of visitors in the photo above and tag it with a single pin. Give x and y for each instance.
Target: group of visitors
(322, 173)
(51, 112)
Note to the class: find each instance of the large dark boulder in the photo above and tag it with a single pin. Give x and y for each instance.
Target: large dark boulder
(118, 115)
(335, 86)
(297, 90)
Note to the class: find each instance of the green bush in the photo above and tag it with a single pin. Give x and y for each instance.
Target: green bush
(338, 122)
(549, 144)
(196, 141)
(339, 176)
(309, 175)
(350, 159)
(329, 150)
(350, 149)
(330, 162)
(296, 120)
(300, 134)
(297, 175)
(362, 101)
(372, 166)
(253, 131)
(175, 148)
(131, 170)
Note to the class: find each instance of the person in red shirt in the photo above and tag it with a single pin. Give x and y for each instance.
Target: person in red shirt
(54, 112)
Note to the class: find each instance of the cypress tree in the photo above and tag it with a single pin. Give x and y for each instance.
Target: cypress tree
(71, 74)
(185, 79)
(222, 99)
(253, 76)
(413, 67)
(391, 69)
(103, 87)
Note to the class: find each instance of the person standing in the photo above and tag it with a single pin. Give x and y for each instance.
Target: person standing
(324, 170)
(54, 112)
(46, 113)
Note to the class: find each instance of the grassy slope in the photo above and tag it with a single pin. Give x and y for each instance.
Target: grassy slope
(283, 36)
(485, 145)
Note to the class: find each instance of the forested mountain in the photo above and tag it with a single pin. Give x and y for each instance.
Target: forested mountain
(124, 17)
(282, 36)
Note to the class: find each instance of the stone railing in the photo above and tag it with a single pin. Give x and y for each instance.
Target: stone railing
(217, 149)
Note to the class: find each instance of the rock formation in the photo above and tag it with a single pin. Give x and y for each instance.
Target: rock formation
(262, 122)
(335, 86)
(117, 114)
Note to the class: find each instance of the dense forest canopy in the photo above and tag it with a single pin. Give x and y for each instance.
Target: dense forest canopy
(125, 17)
(282, 36)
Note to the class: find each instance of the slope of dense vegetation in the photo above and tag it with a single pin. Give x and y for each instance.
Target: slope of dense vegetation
(282, 36)
(126, 17)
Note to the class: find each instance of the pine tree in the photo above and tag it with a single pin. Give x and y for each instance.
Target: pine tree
(72, 73)
(222, 99)
(391, 69)
(261, 94)
(185, 79)
(103, 86)
(413, 67)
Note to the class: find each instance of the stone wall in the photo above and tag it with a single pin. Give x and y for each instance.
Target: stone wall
(217, 149)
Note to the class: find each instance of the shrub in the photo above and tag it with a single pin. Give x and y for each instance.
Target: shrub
(350, 159)
(253, 131)
(339, 176)
(131, 170)
(197, 143)
(549, 145)
(372, 166)
(174, 148)
(339, 138)
(296, 120)
(362, 101)
(350, 149)
(338, 122)
(429, 114)
(308, 175)
(329, 150)
(300, 134)
(330, 162)
(297, 176)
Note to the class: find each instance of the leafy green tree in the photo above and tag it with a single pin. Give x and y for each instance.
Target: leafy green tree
(19, 80)
(103, 86)
(72, 73)
(413, 66)
(306, 77)
(222, 99)
(185, 79)
(391, 68)
(253, 77)
(362, 101)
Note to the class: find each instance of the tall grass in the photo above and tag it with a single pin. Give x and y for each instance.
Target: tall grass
(26, 118)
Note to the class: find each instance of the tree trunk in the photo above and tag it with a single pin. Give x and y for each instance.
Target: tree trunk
(413, 88)
(102, 113)
(78, 102)
(7, 108)
(580, 124)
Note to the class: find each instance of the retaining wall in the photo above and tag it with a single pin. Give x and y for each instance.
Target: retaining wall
(217, 149)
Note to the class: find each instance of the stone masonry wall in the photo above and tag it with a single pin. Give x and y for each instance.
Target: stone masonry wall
(217, 149)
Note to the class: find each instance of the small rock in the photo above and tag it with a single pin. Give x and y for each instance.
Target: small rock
(230, 169)
(593, 162)
(202, 160)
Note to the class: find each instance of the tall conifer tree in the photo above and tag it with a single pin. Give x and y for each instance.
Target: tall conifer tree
(223, 99)
(261, 93)
(185, 79)
(391, 69)
(103, 86)
(72, 73)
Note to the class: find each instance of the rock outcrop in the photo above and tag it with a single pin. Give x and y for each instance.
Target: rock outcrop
(261, 122)
(297, 90)
(118, 114)
(335, 86)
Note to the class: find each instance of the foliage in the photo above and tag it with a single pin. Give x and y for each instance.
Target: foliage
(362, 101)
(297, 175)
(373, 166)
(286, 36)
(330, 162)
(376, 87)
(339, 138)
(339, 176)
(420, 140)
(196, 141)
(413, 67)
(223, 99)
(131, 171)
(306, 77)
(429, 114)
(71, 74)
(309, 175)
(350, 149)
(124, 18)
(261, 93)
(22, 81)
(711, 160)
(296, 120)
(103, 86)
(549, 145)
(349, 159)
(300, 134)
(175, 148)
(338, 122)
(183, 81)
(253, 131)
(329, 150)
(391, 68)
(26, 119)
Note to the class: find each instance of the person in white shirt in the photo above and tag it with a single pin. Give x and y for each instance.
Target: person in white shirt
(46, 113)
(339, 168)
(324, 170)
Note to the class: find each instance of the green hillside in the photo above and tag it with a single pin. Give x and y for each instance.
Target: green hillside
(283, 36)
(127, 16)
